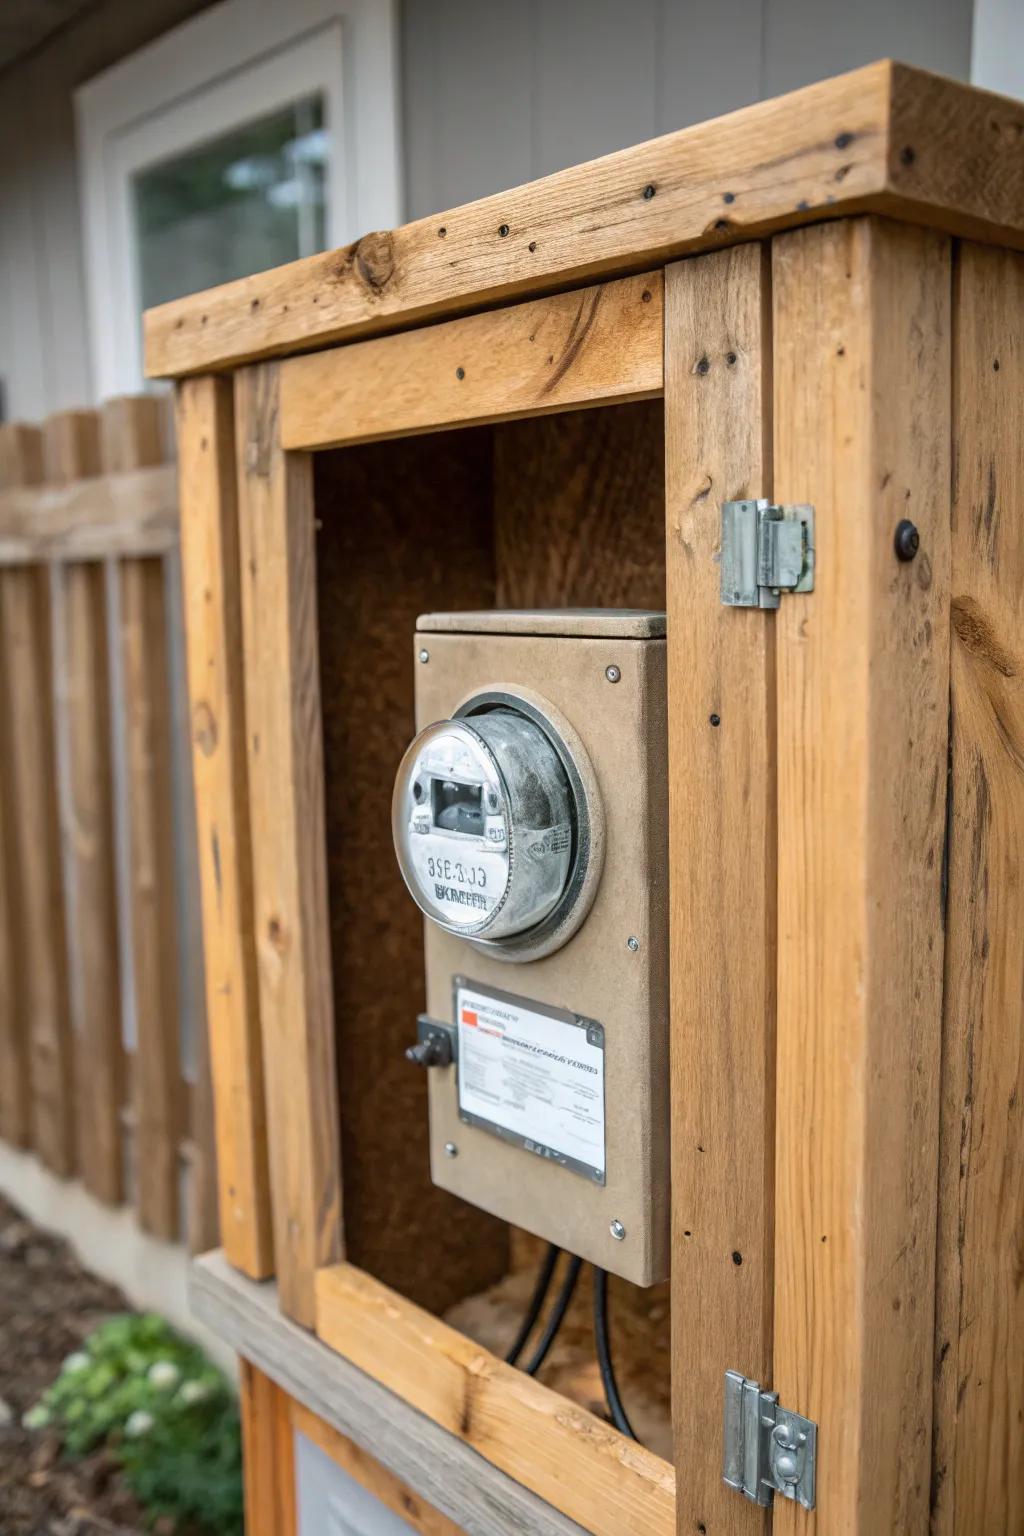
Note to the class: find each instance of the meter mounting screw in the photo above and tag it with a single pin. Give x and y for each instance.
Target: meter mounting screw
(450, 1149)
(424, 656)
(617, 1231)
(612, 673)
(907, 539)
(633, 943)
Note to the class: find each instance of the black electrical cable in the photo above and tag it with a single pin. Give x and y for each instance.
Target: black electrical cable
(558, 1312)
(537, 1300)
(604, 1354)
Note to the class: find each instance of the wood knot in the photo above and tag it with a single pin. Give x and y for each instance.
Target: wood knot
(976, 635)
(277, 934)
(204, 728)
(373, 258)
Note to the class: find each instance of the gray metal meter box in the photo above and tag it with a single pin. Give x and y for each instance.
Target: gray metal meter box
(530, 825)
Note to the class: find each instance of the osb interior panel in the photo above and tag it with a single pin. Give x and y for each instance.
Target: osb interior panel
(405, 526)
(558, 511)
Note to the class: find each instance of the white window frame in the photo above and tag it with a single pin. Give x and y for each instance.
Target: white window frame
(236, 62)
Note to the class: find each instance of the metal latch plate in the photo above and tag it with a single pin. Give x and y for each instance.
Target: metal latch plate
(767, 549)
(767, 1449)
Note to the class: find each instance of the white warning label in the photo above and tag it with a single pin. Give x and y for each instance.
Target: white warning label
(532, 1075)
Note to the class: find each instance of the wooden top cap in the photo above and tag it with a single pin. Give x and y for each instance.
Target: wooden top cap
(885, 139)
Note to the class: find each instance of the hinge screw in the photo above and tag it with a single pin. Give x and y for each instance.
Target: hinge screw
(633, 943)
(617, 1231)
(907, 539)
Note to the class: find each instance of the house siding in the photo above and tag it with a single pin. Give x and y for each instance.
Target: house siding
(493, 94)
(497, 94)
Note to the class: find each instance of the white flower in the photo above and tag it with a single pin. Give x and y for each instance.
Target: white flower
(76, 1362)
(163, 1375)
(36, 1418)
(139, 1423)
(193, 1392)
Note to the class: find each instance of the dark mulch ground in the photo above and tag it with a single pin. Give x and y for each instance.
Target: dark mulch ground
(48, 1304)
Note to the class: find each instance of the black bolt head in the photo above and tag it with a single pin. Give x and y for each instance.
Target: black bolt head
(907, 540)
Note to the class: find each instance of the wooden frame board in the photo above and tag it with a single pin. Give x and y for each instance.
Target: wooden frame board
(861, 330)
(723, 858)
(593, 346)
(211, 578)
(576, 1463)
(979, 1316)
(884, 138)
(286, 800)
(440, 1467)
(268, 1454)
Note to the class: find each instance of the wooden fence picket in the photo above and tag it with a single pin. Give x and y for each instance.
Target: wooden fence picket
(101, 1014)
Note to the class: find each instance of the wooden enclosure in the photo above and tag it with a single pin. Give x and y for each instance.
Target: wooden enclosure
(103, 1061)
(815, 300)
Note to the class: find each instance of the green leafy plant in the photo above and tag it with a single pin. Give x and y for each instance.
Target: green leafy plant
(167, 1414)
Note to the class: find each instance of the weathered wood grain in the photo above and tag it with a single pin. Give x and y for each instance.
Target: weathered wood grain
(978, 1472)
(861, 430)
(722, 856)
(71, 454)
(213, 627)
(21, 463)
(268, 1454)
(885, 138)
(590, 347)
(579, 1464)
(438, 1466)
(35, 886)
(131, 439)
(286, 801)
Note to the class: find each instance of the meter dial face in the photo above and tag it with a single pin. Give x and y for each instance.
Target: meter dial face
(482, 817)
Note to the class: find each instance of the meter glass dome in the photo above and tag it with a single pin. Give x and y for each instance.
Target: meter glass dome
(483, 825)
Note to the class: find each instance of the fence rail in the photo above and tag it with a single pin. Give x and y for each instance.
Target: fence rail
(103, 1053)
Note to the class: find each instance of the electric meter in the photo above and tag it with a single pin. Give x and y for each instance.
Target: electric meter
(529, 821)
(486, 824)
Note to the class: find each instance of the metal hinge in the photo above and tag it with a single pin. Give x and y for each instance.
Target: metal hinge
(767, 549)
(768, 1449)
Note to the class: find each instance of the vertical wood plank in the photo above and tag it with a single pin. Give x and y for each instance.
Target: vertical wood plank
(35, 887)
(861, 370)
(722, 859)
(71, 451)
(21, 463)
(268, 1455)
(15, 1117)
(978, 1474)
(21, 454)
(131, 439)
(70, 446)
(285, 760)
(213, 624)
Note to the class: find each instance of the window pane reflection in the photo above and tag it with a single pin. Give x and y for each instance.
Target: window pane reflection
(250, 199)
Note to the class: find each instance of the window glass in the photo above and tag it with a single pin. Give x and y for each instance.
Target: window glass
(248, 200)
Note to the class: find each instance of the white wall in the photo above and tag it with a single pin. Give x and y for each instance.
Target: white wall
(44, 362)
(495, 92)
